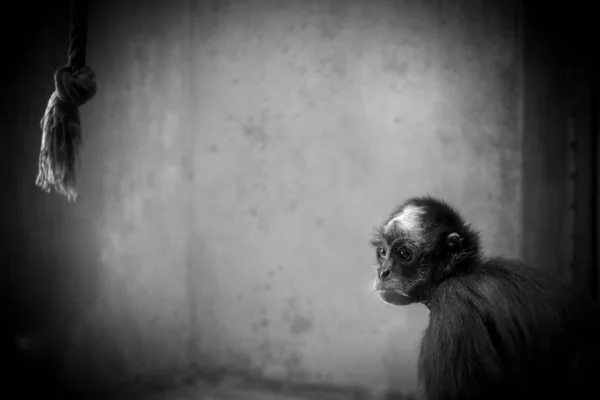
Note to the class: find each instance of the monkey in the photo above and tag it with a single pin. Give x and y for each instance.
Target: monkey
(498, 328)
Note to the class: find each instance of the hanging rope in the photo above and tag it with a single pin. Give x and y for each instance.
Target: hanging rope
(75, 84)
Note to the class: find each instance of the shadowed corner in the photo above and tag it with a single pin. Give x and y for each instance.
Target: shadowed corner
(37, 314)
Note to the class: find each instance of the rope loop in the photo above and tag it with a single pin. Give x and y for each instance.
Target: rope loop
(75, 89)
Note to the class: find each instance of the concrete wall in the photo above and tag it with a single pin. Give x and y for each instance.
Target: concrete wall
(236, 158)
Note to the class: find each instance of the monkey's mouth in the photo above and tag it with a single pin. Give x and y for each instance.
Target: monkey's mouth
(395, 297)
(392, 291)
(382, 289)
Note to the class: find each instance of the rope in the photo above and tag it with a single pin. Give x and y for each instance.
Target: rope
(75, 84)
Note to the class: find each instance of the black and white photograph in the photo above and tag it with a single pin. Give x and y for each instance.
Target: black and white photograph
(300, 200)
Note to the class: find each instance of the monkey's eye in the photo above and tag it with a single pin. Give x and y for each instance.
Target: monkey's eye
(381, 252)
(404, 254)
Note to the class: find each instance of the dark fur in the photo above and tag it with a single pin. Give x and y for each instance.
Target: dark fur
(498, 329)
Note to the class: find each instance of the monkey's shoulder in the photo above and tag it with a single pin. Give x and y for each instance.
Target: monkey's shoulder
(500, 317)
(512, 284)
(508, 298)
(497, 277)
(511, 277)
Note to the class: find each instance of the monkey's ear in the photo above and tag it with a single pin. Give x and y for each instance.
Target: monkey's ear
(453, 241)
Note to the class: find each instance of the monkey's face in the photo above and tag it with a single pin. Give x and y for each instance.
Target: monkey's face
(398, 251)
(417, 247)
(398, 272)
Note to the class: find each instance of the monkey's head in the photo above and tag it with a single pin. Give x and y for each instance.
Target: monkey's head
(423, 242)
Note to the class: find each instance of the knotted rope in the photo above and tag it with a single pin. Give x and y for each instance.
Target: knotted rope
(75, 84)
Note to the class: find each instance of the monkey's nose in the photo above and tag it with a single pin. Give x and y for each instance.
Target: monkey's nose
(384, 274)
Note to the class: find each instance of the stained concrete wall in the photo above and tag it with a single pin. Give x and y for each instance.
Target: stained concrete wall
(236, 157)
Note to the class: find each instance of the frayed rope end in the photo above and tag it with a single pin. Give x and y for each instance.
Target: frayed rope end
(61, 131)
